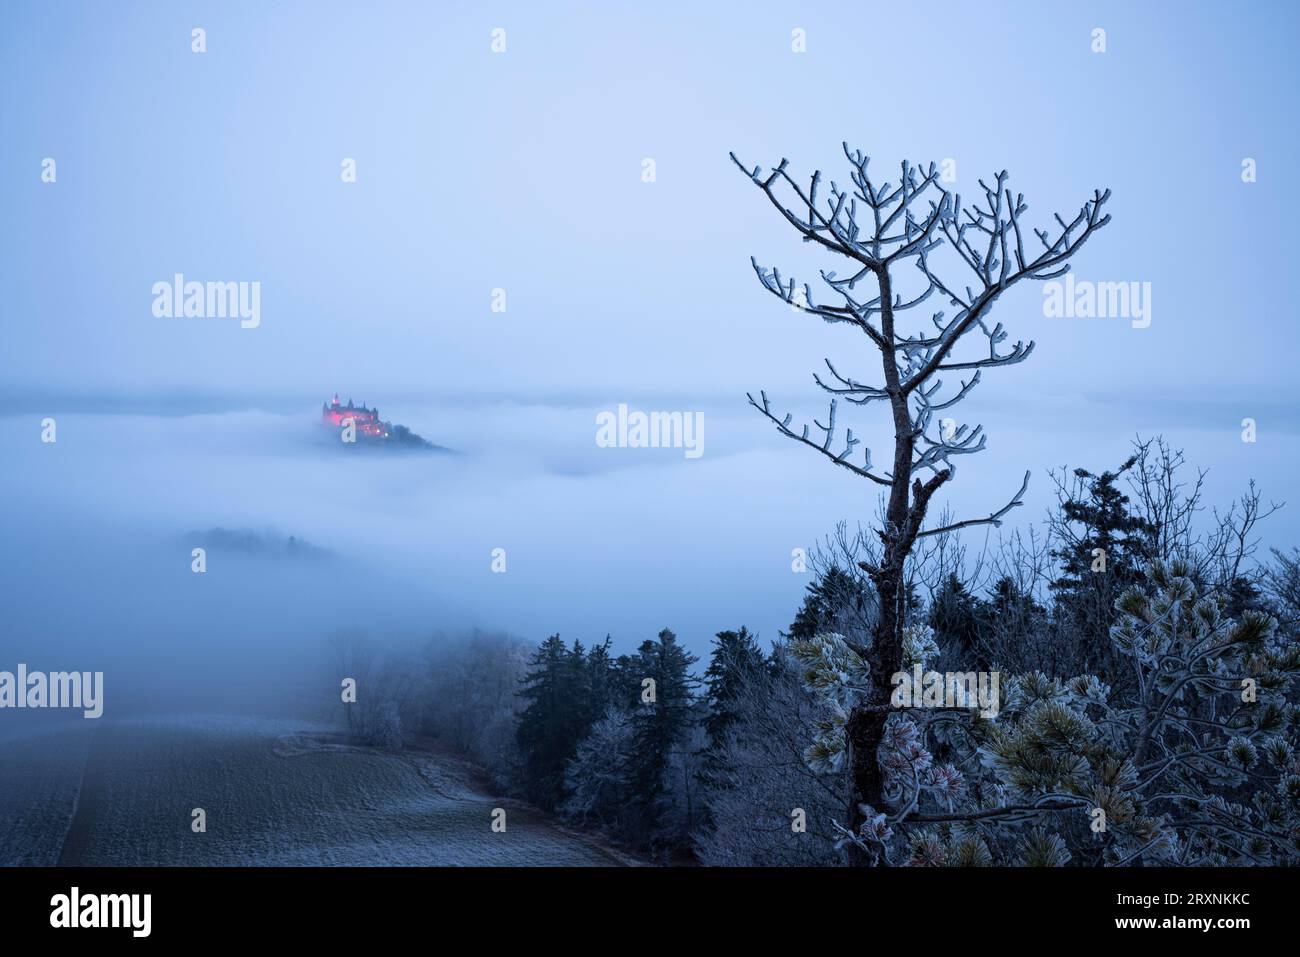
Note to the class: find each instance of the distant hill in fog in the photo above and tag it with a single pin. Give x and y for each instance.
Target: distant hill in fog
(263, 544)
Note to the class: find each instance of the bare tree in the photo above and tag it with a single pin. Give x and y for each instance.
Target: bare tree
(1170, 506)
(879, 231)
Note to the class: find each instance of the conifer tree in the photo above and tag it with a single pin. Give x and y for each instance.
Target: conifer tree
(954, 616)
(735, 660)
(602, 680)
(831, 598)
(555, 719)
(661, 722)
(1102, 551)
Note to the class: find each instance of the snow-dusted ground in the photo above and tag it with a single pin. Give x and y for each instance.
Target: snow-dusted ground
(275, 793)
(40, 775)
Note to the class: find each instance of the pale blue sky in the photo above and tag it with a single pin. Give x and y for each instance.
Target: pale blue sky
(522, 170)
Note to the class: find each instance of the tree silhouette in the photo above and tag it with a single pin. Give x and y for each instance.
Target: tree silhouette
(879, 230)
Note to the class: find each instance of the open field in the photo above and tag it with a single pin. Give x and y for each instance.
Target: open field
(275, 793)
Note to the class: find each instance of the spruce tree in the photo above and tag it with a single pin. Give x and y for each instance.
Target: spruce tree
(833, 597)
(1104, 521)
(555, 719)
(954, 616)
(1103, 552)
(736, 660)
(602, 680)
(660, 723)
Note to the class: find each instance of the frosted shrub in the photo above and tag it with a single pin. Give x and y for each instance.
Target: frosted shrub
(1196, 765)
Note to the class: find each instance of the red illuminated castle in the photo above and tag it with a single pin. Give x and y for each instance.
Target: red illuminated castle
(367, 421)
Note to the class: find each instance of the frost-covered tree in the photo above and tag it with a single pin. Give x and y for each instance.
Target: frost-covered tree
(637, 774)
(882, 231)
(735, 658)
(835, 601)
(469, 697)
(384, 688)
(597, 779)
(767, 805)
(1282, 584)
(1196, 765)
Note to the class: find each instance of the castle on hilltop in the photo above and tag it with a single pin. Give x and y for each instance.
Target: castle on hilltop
(367, 421)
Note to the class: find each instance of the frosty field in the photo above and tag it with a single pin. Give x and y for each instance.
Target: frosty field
(274, 793)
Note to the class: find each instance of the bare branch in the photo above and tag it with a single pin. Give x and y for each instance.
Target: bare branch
(783, 426)
(995, 519)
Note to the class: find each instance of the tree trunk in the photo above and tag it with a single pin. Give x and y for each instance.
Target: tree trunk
(866, 728)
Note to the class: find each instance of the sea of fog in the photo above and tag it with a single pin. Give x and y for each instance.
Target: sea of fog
(101, 524)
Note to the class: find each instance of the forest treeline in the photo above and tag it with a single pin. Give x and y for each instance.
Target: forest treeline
(1147, 709)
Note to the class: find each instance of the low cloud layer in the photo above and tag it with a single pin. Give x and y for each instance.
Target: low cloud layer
(597, 540)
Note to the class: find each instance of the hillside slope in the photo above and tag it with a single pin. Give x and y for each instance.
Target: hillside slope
(275, 793)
